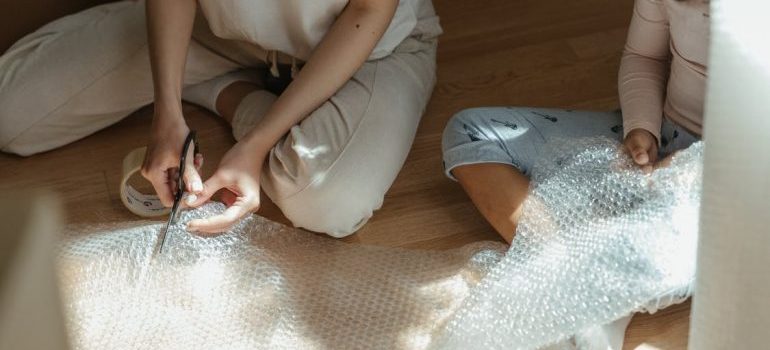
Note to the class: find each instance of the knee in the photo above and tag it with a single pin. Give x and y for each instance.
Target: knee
(18, 143)
(13, 149)
(15, 123)
(465, 126)
(9, 135)
(335, 212)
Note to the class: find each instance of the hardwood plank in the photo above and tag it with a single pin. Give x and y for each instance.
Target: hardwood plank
(549, 53)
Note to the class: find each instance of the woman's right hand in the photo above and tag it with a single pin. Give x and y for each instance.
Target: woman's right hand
(161, 161)
(642, 146)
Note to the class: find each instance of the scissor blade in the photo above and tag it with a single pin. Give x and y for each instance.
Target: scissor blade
(164, 231)
(162, 237)
(180, 189)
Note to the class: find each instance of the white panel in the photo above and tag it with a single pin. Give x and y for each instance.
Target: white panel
(731, 308)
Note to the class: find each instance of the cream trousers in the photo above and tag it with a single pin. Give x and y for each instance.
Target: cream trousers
(86, 71)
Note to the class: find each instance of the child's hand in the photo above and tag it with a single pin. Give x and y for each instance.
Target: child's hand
(665, 162)
(642, 147)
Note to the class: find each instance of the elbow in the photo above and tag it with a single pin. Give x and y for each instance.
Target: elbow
(632, 53)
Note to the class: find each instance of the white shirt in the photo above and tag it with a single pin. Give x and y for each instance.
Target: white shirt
(295, 27)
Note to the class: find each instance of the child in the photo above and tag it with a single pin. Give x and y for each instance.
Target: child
(490, 151)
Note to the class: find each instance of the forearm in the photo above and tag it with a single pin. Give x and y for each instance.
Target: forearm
(642, 87)
(338, 56)
(169, 28)
(644, 68)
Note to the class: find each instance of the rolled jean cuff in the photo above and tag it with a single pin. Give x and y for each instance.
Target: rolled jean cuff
(471, 153)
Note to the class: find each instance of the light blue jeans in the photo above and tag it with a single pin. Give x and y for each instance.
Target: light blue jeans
(516, 136)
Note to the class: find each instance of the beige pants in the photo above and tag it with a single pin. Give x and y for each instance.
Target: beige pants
(87, 71)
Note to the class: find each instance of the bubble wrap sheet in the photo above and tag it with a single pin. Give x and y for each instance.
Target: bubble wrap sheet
(259, 286)
(597, 240)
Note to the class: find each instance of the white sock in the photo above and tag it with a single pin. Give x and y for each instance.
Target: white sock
(205, 94)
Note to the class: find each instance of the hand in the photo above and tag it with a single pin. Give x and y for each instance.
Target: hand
(238, 176)
(161, 161)
(665, 162)
(642, 147)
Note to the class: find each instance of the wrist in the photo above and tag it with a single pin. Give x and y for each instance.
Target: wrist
(165, 121)
(640, 133)
(164, 109)
(257, 141)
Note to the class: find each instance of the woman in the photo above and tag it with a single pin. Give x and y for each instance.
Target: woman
(662, 78)
(325, 142)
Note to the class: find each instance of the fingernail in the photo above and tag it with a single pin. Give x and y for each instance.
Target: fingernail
(197, 186)
(191, 198)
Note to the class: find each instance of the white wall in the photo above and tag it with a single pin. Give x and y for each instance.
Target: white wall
(731, 307)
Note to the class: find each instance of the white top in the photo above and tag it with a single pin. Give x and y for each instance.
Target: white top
(295, 27)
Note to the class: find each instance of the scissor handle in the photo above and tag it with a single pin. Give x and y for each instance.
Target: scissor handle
(191, 139)
(180, 184)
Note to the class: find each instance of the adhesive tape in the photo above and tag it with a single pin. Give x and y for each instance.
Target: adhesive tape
(138, 203)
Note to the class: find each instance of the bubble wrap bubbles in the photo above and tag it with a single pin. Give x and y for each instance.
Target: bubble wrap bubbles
(259, 286)
(597, 240)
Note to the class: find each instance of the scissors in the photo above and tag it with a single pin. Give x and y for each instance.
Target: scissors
(180, 186)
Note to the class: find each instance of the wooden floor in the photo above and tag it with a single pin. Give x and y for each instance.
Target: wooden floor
(551, 53)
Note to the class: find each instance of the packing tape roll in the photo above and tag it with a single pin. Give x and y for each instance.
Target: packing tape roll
(138, 203)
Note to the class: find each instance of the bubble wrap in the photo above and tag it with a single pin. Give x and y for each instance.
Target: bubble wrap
(259, 286)
(597, 240)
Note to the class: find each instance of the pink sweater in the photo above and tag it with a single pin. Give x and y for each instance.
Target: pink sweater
(663, 69)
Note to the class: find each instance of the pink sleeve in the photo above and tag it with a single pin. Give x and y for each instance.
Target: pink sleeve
(644, 68)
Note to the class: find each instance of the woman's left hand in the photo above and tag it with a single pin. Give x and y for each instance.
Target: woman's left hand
(238, 176)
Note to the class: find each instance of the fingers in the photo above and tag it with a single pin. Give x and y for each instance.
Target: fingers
(640, 155)
(172, 175)
(160, 182)
(665, 162)
(642, 147)
(158, 177)
(162, 157)
(221, 222)
(652, 153)
(198, 162)
(192, 178)
(644, 157)
(211, 186)
(163, 190)
(244, 199)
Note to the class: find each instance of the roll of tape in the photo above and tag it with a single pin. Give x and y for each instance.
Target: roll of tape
(138, 203)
